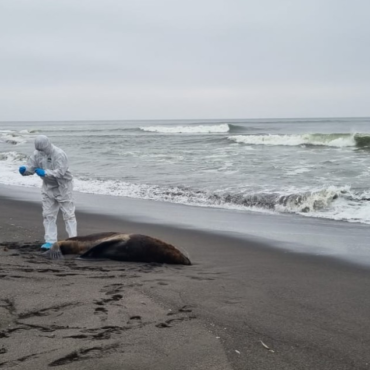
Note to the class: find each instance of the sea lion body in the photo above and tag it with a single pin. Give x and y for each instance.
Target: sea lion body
(119, 247)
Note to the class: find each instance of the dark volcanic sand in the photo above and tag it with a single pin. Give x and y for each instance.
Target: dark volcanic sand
(239, 306)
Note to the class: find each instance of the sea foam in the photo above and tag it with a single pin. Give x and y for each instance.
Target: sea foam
(331, 140)
(191, 129)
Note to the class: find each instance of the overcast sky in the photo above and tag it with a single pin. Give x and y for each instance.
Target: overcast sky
(164, 59)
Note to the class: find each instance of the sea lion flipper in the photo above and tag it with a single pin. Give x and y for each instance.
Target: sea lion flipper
(54, 254)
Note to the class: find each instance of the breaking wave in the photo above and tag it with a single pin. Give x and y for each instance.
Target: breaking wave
(331, 140)
(12, 157)
(15, 137)
(338, 203)
(190, 129)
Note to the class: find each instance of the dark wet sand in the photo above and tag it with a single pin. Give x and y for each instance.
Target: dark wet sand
(240, 306)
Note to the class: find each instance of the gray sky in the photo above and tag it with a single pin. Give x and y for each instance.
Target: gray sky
(163, 59)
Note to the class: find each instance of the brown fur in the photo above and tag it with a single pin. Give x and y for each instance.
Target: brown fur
(119, 246)
(81, 244)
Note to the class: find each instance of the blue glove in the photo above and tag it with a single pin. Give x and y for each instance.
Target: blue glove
(40, 172)
(22, 170)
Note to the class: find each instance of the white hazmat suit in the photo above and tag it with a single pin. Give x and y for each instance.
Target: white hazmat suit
(56, 189)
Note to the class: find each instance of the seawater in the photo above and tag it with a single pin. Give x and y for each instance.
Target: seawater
(311, 167)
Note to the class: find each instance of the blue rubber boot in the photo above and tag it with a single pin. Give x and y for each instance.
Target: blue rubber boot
(47, 245)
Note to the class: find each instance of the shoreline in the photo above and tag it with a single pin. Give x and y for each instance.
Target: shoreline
(220, 313)
(338, 241)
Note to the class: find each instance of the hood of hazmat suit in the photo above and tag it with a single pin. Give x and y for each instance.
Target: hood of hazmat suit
(43, 144)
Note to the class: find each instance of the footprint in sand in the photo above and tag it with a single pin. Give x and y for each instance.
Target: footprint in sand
(134, 319)
(84, 354)
(112, 289)
(100, 309)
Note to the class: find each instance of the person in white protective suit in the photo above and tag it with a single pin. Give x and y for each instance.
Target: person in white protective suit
(51, 164)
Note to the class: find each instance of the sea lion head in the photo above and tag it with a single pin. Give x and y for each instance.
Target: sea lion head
(185, 261)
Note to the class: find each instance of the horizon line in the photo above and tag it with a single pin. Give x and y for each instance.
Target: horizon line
(182, 119)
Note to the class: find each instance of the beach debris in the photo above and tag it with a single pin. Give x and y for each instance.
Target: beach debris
(267, 347)
(5, 249)
(237, 352)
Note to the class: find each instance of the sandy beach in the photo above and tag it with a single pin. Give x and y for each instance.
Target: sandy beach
(237, 132)
(241, 305)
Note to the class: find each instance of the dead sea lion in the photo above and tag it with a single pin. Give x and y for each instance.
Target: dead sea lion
(119, 247)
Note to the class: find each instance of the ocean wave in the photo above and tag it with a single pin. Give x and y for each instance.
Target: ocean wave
(9, 175)
(331, 140)
(16, 137)
(191, 129)
(332, 202)
(235, 128)
(29, 131)
(13, 138)
(338, 203)
(12, 157)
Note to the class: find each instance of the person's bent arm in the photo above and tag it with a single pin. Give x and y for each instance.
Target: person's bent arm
(30, 168)
(61, 167)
